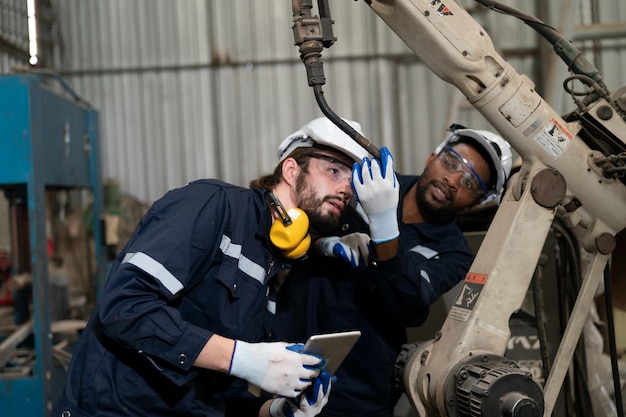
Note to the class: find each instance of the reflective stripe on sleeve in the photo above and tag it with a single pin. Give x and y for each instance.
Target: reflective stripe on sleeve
(427, 253)
(244, 264)
(155, 269)
(271, 307)
(271, 300)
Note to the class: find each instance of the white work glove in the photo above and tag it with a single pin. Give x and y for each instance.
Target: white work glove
(376, 187)
(352, 248)
(276, 367)
(309, 404)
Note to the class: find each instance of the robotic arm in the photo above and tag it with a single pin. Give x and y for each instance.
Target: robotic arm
(463, 367)
(571, 166)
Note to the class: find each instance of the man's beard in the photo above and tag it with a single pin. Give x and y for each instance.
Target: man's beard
(312, 205)
(427, 208)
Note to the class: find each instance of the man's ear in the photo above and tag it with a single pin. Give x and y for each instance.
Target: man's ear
(430, 159)
(290, 171)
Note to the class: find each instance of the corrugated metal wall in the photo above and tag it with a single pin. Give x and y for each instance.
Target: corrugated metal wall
(209, 88)
(13, 34)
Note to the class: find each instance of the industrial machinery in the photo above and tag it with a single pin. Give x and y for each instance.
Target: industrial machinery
(49, 163)
(573, 167)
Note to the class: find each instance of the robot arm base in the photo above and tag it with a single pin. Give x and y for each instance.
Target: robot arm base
(491, 385)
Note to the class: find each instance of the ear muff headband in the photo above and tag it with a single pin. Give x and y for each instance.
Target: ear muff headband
(278, 207)
(291, 234)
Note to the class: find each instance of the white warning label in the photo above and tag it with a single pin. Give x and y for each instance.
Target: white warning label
(554, 138)
(466, 300)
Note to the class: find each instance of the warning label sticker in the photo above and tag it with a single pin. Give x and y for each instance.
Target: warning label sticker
(465, 302)
(554, 138)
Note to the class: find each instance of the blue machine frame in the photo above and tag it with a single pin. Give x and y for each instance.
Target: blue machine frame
(47, 140)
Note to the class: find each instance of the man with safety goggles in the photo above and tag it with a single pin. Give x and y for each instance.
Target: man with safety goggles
(391, 256)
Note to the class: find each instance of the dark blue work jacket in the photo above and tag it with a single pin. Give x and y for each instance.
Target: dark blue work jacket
(198, 263)
(325, 295)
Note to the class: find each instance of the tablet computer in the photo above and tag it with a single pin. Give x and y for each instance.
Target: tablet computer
(333, 347)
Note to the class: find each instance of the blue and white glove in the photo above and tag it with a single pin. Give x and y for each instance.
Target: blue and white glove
(309, 404)
(352, 248)
(376, 187)
(277, 367)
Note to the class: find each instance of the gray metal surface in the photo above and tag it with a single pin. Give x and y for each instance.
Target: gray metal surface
(207, 88)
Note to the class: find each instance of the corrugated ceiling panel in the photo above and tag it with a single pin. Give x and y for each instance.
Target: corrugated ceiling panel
(13, 35)
(14, 23)
(613, 60)
(8, 62)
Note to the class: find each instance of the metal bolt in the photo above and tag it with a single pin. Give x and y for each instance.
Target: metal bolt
(605, 112)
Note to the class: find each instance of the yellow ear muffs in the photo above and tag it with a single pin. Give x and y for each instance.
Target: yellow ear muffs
(300, 250)
(292, 236)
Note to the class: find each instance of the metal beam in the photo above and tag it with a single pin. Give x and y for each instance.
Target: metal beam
(10, 344)
(600, 31)
(13, 49)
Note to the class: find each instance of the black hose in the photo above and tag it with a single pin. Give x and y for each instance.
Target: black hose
(612, 344)
(342, 124)
(546, 362)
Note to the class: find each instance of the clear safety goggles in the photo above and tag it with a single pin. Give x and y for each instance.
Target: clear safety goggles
(332, 168)
(454, 162)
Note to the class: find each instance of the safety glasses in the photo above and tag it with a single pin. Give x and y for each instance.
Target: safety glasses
(331, 167)
(454, 162)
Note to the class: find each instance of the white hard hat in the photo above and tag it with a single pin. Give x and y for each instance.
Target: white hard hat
(496, 147)
(322, 131)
